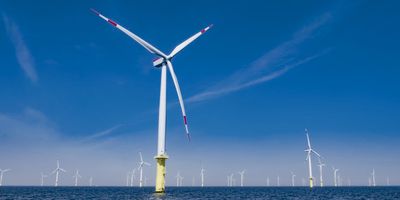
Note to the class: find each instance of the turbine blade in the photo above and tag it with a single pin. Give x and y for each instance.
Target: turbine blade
(61, 169)
(316, 153)
(141, 157)
(146, 163)
(188, 41)
(178, 91)
(139, 40)
(308, 140)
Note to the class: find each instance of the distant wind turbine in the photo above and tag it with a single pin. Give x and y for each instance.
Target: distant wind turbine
(141, 164)
(162, 61)
(202, 175)
(320, 165)
(42, 176)
(373, 177)
(278, 181)
(76, 177)
(91, 181)
(241, 173)
(2, 171)
(132, 176)
(178, 179)
(127, 178)
(335, 181)
(57, 172)
(309, 150)
(267, 181)
(293, 175)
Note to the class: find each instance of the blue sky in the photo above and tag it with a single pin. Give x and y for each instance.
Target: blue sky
(76, 89)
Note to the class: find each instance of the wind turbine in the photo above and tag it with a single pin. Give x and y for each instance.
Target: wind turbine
(231, 179)
(293, 175)
(241, 173)
(335, 176)
(320, 165)
(91, 181)
(267, 181)
(179, 179)
(141, 164)
(57, 172)
(162, 61)
(127, 178)
(42, 178)
(76, 176)
(132, 176)
(278, 181)
(202, 175)
(2, 171)
(309, 150)
(373, 177)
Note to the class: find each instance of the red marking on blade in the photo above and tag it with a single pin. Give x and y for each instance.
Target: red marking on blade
(156, 59)
(112, 22)
(95, 11)
(184, 119)
(202, 31)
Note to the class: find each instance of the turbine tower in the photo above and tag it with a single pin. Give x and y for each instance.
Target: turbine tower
(2, 171)
(141, 164)
(202, 176)
(162, 61)
(335, 176)
(241, 177)
(278, 181)
(179, 179)
(320, 165)
(76, 177)
(309, 150)
(373, 177)
(293, 175)
(42, 178)
(132, 176)
(127, 178)
(91, 181)
(267, 181)
(57, 172)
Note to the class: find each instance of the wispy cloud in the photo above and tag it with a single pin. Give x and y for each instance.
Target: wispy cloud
(102, 133)
(24, 57)
(271, 65)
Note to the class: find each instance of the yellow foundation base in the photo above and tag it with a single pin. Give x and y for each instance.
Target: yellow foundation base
(160, 176)
(311, 183)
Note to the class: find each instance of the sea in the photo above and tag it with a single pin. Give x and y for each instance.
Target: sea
(211, 193)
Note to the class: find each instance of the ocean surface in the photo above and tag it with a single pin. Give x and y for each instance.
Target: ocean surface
(186, 193)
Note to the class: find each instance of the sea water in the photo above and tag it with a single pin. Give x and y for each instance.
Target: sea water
(186, 193)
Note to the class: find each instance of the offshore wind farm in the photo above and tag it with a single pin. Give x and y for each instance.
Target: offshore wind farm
(285, 100)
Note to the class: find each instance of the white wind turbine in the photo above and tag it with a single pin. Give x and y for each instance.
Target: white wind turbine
(162, 61)
(309, 150)
(241, 173)
(231, 179)
(267, 181)
(57, 172)
(42, 176)
(133, 176)
(91, 181)
(202, 176)
(76, 177)
(127, 178)
(178, 179)
(320, 165)
(2, 171)
(141, 164)
(293, 175)
(373, 177)
(335, 176)
(278, 181)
